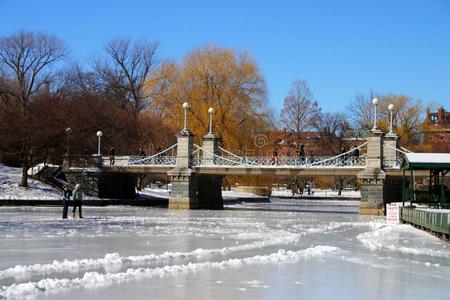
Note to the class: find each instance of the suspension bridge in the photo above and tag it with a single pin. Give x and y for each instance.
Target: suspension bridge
(196, 171)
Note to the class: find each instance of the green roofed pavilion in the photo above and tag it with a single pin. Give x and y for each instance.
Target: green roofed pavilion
(438, 194)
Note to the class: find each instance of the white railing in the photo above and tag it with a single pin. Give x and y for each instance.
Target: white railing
(163, 161)
(232, 160)
(396, 162)
(204, 158)
(163, 158)
(36, 169)
(281, 162)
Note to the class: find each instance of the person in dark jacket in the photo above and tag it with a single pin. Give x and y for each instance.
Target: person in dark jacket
(343, 156)
(77, 197)
(67, 193)
(312, 157)
(355, 155)
(142, 152)
(301, 155)
(112, 154)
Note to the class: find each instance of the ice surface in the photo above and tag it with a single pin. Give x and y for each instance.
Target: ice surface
(137, 253)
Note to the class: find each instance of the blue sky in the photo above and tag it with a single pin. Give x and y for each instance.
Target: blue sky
(340, 47)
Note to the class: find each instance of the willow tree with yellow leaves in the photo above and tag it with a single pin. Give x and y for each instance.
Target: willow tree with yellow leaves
(221, 78)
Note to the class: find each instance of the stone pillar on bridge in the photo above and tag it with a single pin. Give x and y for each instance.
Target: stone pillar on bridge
(210, 186)
(372, 178)
(182, 177)
(210, 147)
(392, 185)
(390, 156)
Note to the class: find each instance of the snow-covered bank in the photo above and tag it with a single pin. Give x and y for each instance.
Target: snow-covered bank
(10, 189)
(320, 193)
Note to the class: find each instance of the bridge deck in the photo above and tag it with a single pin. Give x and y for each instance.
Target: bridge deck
(244, 171)
(241, 171)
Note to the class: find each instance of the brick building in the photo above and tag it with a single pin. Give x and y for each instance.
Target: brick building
(436, 130)
(288, 143)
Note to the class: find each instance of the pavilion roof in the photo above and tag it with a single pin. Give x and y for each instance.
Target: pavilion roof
(426, 161)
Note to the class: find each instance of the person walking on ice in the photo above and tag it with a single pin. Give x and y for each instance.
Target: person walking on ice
(67, 193)
(77, 197)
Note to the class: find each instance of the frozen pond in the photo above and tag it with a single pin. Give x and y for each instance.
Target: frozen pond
(286, 253)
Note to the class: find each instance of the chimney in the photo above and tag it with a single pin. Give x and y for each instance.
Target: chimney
(428, 117)
(440, 114)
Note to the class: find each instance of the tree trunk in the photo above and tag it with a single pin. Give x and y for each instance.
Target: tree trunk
(24, 180)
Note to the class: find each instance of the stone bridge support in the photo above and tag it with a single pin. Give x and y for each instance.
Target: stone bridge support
(97, 183)
(191, 190)
(372, 178)
(210, 186)
(377, 189)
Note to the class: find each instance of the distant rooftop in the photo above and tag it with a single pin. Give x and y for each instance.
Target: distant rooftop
(440, 117)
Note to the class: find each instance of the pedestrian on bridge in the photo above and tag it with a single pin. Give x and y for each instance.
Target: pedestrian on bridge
(142, 152)
(355, 154)
(301, 155)
(77, 198)
(275, 157)
(343, 156)
(112, 154)
(312, 157)
(67, 193)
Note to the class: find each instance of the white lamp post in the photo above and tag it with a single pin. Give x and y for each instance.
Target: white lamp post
(99, 135)
(186, 106)
(211, 112)
(375, 103)
(68, 130)
(391, 109)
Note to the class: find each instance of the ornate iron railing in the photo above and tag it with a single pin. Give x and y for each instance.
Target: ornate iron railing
(281, 162)
(165, 161)
(163, 158)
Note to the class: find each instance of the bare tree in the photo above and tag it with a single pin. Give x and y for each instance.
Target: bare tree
(333, 128)
(26, 59)
(300, 110)
(125, 71)
(360, 111)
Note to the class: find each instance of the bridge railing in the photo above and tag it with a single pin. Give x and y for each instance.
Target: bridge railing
(286, 161)
(396, 162)
(229, 159)
(166, 161)
(167, 157)
(82, 161)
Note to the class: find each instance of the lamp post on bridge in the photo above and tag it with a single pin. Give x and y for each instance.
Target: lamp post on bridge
(211, 112)
(391, 112)
(375, 104)
(68, 130)
(186, 107)
(99, 135)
